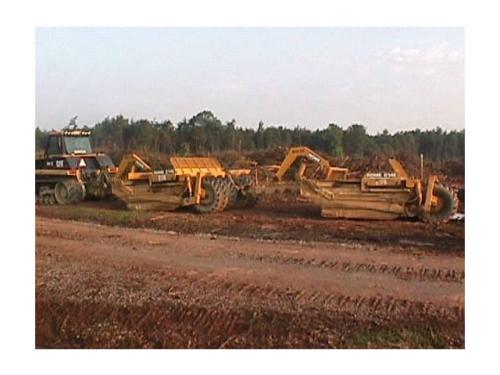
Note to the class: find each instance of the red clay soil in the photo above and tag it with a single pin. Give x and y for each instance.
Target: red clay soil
(275, 218)
(99, 286)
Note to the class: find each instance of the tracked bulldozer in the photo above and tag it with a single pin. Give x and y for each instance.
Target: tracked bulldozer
(377, 196)
(68, 170)
(198, 182)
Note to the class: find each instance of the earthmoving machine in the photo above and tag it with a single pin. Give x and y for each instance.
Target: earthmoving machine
(200, 182)
(299, 163)
(379, 196)
(68, 170)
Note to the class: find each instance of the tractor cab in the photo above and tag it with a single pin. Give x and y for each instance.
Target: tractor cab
(69, 142)
(71, 149)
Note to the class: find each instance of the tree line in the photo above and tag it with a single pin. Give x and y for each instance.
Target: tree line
(205, 134)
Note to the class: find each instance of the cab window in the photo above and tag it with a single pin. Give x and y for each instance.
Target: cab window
(77, 145)
(55, 146)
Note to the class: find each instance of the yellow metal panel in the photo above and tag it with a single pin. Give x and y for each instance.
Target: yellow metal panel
(197, 189)
(295, 153)
(139, 175)
(428, 195)
(128, 163)
(370, 182)
(398, 169)
(240, 172)
(180, 162)
(192, 166)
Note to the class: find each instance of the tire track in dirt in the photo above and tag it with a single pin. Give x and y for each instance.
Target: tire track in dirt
(224, 325)
(109, 287)
(210, 290)
(382, 305)
(218, 325)
(401, 272)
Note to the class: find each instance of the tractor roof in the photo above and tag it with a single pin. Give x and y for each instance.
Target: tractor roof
(71, 133)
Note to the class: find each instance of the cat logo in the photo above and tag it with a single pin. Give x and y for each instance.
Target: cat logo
(82, 164)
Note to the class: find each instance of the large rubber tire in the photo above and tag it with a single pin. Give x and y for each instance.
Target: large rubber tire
(215, 198)
(62, 193)
(99, 184)
(67, 192)
(241, 195)
(77, 191)
(225, 190)
(446, 207)
(233, 195)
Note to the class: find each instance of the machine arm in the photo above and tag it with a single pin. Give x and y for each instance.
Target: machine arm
(304, 152)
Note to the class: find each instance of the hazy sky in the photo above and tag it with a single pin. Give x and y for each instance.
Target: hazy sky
(381, 77)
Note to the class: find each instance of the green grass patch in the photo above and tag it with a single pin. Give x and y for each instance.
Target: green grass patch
(401, 338)
(101, 216)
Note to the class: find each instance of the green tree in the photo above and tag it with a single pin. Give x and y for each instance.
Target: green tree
(355, 140)
(230, 136)
(334, 135)
(41, 137)
(205, 133)
(259, 136)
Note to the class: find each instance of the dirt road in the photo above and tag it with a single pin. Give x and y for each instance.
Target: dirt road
(273, 219)
(103, 286)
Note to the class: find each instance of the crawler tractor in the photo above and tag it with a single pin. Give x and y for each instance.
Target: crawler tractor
(379, 196)
(68, 170)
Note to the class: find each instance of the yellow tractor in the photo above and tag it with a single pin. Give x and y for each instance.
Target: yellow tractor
(200, 182)
(378, 196)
